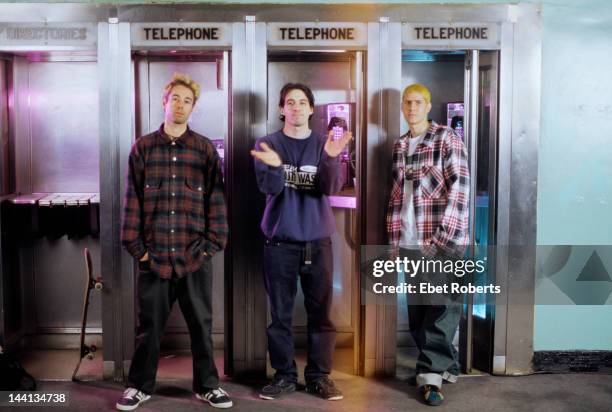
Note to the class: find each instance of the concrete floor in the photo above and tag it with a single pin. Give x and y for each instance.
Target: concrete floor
(563, 393)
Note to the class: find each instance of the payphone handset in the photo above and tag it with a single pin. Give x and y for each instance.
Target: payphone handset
(338, 126)
(454, 117)
(338, 118)
(339, 121)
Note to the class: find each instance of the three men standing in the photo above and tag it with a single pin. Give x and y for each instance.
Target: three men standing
(428, 216)
(175, 221)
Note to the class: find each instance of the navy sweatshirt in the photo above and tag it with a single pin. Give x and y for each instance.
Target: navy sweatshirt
(297, 207)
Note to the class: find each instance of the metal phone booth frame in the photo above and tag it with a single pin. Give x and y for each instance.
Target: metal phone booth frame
(44, 34)
(519, 45)
(119, 37)
(299, 47)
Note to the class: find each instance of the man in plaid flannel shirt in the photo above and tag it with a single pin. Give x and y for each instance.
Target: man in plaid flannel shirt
(174, 222)
(428, 216)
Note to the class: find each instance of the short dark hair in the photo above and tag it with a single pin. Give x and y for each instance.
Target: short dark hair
(295, 86)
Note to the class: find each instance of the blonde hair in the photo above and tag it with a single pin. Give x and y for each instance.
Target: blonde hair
(418, 88)
(183, 80)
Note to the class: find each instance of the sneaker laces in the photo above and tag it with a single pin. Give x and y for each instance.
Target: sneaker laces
(131, 393)
(326, 383)
(219, 392)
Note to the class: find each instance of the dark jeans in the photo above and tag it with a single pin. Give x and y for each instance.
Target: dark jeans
(155, 298)
(433, 328)
(433, 321)
(313, 262)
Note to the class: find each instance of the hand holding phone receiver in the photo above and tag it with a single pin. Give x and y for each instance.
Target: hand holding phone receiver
(334, 147)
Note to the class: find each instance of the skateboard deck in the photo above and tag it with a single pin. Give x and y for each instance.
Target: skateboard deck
(91, 283)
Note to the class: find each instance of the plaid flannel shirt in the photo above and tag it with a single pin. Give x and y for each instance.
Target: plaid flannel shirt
(174, 203)
(441, 183)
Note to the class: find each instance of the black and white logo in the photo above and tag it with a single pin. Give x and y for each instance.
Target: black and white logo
(302, 178)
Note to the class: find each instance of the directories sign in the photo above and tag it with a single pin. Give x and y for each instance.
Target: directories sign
(41, 34)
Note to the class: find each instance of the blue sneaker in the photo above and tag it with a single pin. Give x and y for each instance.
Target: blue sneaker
(432, 395)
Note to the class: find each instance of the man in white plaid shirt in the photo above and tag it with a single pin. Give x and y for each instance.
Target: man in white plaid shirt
(428, 216)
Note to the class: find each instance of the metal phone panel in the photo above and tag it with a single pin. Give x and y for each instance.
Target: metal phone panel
(525, 127)
(123, 87)
(4, 130)
(343, 202)
(5, 312)
(472, 131)
(115, 111)
(20, 131)
(59, 280)
(483, 313)
(506, 65)
(63, 108)
(379, 322)
(343, 244)
(246, 297)
(4, 187)
(47, 200)
(28, 199)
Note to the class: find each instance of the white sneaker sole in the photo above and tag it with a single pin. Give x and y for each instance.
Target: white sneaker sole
(224, 405)
(332, 398)
(273, 398)
(268, 398)
(130, 408)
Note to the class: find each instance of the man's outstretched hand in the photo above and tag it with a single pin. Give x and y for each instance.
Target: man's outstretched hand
(267, 155)
(334, 147)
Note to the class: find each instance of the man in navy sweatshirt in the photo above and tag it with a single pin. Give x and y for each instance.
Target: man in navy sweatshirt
(297, 169)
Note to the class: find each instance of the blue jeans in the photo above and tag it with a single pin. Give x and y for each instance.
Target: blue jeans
(312, 262)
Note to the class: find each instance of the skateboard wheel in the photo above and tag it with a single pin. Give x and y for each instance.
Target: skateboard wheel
(98, 286)
(93, 348)
(90, 356)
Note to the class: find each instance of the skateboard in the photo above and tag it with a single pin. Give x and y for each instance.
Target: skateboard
(91, 283)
